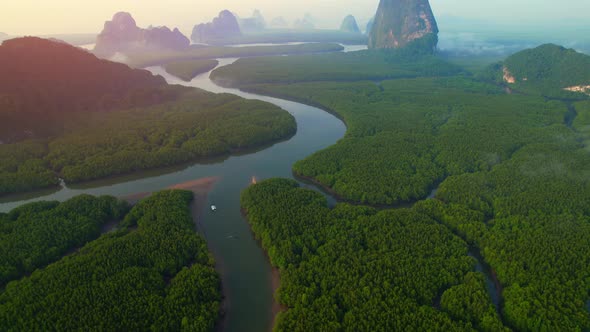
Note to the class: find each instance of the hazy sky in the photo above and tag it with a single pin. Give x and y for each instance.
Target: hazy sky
(69, 16)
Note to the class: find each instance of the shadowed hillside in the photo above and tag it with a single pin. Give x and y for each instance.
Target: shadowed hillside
(44, 81)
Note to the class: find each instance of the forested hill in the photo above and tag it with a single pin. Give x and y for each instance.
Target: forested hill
(43, 81)
(549, 69)
(55, 121)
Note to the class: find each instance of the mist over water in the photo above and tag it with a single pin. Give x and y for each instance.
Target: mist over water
(463, 36)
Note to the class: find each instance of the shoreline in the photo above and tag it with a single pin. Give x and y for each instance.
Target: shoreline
(275, 279)
(329, 191)
(249, 88)
(141, 173)
(194, 73)
(200, 188)
(276, 308)
(270, 310)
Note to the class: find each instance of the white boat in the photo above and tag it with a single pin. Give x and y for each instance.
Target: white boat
(213, 208)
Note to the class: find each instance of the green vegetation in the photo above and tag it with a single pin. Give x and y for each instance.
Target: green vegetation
(120, 121)
(146, 59)
(470, 301)
(37, 234)
(199, 125)
(353, 66)
(515, 185)
(34, 105)
(405, 136)
(547, 70)
(159, 277)
(582, 121)
(472, 63)
(533, 229)
(356, 269)
(187, 70)
(23, 168)
(529, 216)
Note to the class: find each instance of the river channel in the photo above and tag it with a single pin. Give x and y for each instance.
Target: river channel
(245, 269)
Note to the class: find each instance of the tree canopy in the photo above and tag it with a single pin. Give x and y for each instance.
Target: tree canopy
(353, 268)
(156, 274)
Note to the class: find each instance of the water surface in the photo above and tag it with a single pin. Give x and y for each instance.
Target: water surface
(245, 269)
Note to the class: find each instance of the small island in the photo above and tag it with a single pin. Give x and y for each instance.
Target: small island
(189, 69)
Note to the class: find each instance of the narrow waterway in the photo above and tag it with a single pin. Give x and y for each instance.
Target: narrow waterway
(245, 269)
(492, 284)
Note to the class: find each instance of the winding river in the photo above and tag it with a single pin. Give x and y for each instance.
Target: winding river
(245, 269)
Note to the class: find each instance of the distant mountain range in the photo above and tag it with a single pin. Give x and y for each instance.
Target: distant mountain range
(225, 25)
(122, 34)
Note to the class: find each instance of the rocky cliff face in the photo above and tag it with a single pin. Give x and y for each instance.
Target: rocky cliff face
(401, 22)
(122, 34)
(223, 26)
(370, 26)
(349, 25)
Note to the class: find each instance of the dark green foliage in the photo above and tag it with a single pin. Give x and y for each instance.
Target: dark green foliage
(472, 63)
(492, 73)
(404, 136)
(34, 235)
(23, 168)
(470, 301)
(547, 70)
(199, 125)
(540, 178)
(550, 63)
(536, 234)
(352, 66)
(356, 269)
(582, 121)
(516, 186)
(187, 70)
(157, 277)
(544, 262)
